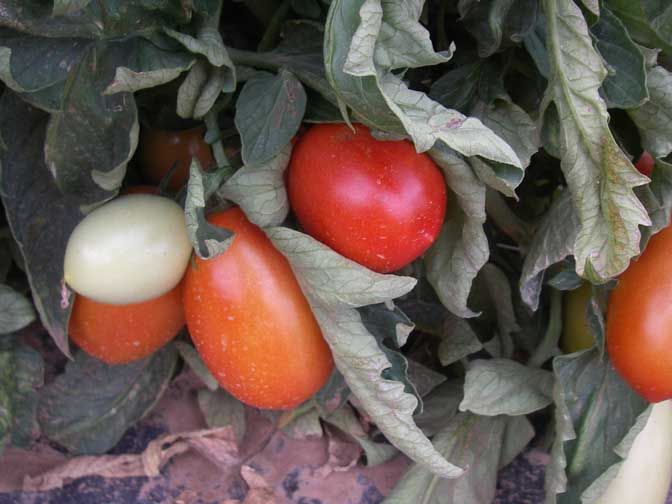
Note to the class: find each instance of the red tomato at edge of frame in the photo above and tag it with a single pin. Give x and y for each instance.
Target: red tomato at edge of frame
(378, 203)
(645, 164)
(251, 323)
(639, 321)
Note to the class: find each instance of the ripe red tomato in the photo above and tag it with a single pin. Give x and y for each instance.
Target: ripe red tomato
(645, 164)
(118, 334)
(639, 320)
(159, 150)
(378, 203)
(251, 323)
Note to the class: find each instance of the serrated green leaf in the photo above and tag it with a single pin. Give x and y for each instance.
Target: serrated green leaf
(16, 312)
(473, 441)
(458, 341)
(552, 242)
(89, 407)
(625, 85)
(461, 249)
(330, 278)
(598, 173)
(196, 364)
(221, 409)
(260, 190)
(595, 409)
(269, 112)
(505, 387)
(21, 374)
(208, 240)
(654, 118)
(376, 453)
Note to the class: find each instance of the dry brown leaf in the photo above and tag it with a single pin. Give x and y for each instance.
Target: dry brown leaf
(217, 445)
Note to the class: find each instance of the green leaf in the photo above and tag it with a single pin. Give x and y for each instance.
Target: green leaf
(458, 340)
(654, 118)
(423, 378)
(460, 87)
(635, 18)
(208, 240)
(595, 409)
(269, 111)
(196, 364)
(518, 433)
(221, 409)
(381, 100)
(260, 190)
(75, 154)
(89, 407)
(148, 66)
(505, 387)
(552, 242)
(40, 216)
(16, 312)
(625, 85)
(439, 407)
(599, 175)
(302, 422)
(21, 374)
(461, 249)
(333, 280)
(208, 43)
(497, 24)
(62, 7)
(470, 440)
(376, 453)
(657, 198)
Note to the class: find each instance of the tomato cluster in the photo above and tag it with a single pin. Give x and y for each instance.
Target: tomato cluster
(380, 204)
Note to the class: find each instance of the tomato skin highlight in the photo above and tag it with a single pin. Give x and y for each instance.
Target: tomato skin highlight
(576, 334)
(119, 334)
(251, 323)
(378, 203)
(639, 321)
(159, 149)
(645, 164)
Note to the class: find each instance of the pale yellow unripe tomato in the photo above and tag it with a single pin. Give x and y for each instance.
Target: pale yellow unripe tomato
(644, 476)
(132, 249)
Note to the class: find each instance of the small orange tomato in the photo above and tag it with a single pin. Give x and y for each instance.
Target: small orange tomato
(251, 323)
(160, 149)
(118, 334)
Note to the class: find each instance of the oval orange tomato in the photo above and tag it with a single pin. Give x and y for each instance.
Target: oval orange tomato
(378, 203)
(639, 320)
(251, 323)
(160, 149)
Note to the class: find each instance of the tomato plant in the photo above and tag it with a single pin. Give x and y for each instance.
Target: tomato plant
(129, 250)
(118, 334)
(645, 164)
(576, 334)
(639, 320)
(159, 150)
(378, 203)
(252, 324)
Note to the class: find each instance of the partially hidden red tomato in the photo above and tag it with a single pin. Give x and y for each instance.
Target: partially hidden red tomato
(118, 334)
(645, 164)
(378, 203)
(160, 149)
(576, 334)
(639, 320)
(251, 323)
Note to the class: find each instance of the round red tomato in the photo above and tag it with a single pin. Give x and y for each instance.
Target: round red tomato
(118, 334)
(160, 149)
(645, 164)
(639, 321)
(378, 203)
(251, 323)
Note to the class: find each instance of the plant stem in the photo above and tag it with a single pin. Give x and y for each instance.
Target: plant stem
(274, 27)
(549, 342)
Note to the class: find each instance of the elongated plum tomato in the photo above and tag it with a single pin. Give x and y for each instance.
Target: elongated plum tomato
(645, 475)
(576, 334)
(378, 203)
(118, 334)
(160, 149)
(132, 249)
(251, 323)
(645, 164)
(639, 320)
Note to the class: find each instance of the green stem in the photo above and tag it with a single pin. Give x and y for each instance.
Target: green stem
(549, 342)
(274, 27)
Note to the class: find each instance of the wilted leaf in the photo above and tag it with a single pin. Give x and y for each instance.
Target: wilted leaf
(89, 407)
